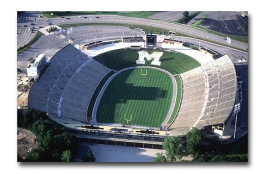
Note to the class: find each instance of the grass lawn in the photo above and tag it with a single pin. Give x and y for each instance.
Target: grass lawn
(146, 29)
(178, 99)
(133, 98)
(186, 20)
(130, 92)
(137, 14)
(175, 63)
(96, 93)
(197, 23)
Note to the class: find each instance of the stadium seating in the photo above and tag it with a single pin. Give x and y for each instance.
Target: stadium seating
(192, 100)
(94, 33)
(66, 87)
(208, 95)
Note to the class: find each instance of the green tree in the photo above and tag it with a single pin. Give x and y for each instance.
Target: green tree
(19, 158)
(33, 156)
(66, 156)
(20, 118)
(89, 157)
(174, 148)
(46, 141)
(193, 140)
(230, 158)
(53, 138)
(160, 158)
(31, 117)
(185, 14)
(198, 158)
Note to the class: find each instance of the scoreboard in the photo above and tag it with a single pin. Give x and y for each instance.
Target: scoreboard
(151, 41)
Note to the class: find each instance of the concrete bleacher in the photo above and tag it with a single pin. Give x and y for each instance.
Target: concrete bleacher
(208, 97)
(192, 100)
(66, 87)
(223, 94)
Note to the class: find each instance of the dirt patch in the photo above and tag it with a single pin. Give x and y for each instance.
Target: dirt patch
(22, 99)
(26, 141)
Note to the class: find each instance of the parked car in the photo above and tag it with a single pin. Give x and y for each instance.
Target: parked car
(85, 16)
(97, 17)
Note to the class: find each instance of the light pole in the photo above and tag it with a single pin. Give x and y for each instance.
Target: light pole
(199, 44)
(237, 109)
(206, 43)
(235, 126)
(228, 40)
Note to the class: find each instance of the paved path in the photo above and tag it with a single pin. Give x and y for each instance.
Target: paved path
(94, 111)
(111, 153)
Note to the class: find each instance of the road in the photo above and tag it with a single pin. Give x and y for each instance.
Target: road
(24, 35)
(234, 54)
(147, 22)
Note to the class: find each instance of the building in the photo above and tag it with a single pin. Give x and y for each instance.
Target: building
(37, 67)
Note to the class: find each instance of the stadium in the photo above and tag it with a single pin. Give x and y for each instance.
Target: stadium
(136, 90)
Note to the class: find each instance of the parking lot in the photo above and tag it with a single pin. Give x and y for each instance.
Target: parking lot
(226, 22)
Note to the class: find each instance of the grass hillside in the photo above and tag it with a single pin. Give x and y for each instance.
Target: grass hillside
(175, 63)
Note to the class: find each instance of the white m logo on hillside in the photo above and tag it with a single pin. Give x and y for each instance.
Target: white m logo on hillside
(155, 56)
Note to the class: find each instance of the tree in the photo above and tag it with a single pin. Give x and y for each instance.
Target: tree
(160, 158)
(46, 140)
(185, 14)
(66, 156)
(193, 140)
(89, 157)
(174, 148)
(20, 118)
(230, 158)
(199, 158)
(33, 156)
(19, 158)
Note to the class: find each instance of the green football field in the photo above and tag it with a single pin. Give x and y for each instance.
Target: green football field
(136, 97)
